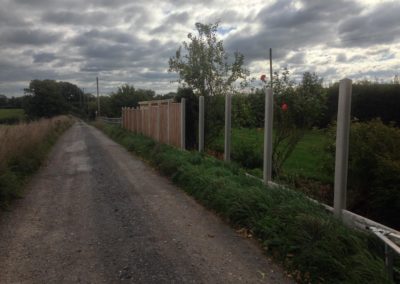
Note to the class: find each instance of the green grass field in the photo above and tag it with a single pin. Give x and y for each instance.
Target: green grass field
(308, 157)
(11, 115)
(306, 160)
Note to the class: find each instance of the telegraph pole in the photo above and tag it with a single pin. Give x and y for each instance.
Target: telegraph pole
(98, 99)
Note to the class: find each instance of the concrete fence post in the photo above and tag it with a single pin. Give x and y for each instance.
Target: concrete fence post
(268, 124)
(342, 146)
(201, 123)
(227, 145)
(183, 123)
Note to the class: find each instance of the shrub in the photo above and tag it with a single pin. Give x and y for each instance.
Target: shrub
(374, 171)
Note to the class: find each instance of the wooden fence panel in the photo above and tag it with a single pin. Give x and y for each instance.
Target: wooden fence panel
(153, 122)
(175, 131)
(161, 122)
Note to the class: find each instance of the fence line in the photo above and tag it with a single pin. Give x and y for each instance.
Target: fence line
(160, 120)
(111, 120)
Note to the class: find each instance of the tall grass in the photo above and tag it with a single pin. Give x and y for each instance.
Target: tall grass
(22, 149)
(313, 245)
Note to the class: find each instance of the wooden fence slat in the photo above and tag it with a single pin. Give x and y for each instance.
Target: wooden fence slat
(160, 121)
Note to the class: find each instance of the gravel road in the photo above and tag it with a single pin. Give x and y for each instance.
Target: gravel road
(97, 214)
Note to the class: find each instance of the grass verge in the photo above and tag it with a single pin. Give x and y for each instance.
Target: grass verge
(312, 245)
(23, 148)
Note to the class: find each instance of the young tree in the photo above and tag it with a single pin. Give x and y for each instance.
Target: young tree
(204, 65)
(297, 108)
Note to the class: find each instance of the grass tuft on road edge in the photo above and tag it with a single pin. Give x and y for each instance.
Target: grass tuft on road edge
(312, 245)
(24, 146)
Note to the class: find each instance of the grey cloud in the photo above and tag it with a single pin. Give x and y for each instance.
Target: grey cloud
(341, 57)
(178, 18)
(356, 58)
(283, 14)
(172, 19)
(11, 72)
(377, 51)
(285, 28)
(328, 72)
(98, 37)
(40, 4)
(298, 58)
(157, 75)
(9, 19)
(44, 57)
(371, 74)
(378, 26)
(128, 41)
(226, 16)
(387, 56)
(29, 36)
(75, 18)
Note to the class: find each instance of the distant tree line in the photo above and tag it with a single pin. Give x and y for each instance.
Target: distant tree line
(12, 102)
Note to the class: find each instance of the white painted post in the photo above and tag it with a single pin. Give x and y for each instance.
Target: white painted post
(227, 146)
(342, 147)
(183, 123)
(268, 124)
(201, 123)
(168, 126)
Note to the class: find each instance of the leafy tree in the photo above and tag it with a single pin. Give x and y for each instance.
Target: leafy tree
(71, 93)
(242, 115)
(44, 99)
(311, 100)
(127, 96)
(205, 66)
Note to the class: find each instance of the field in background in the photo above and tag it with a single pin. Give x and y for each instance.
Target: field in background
(23, 148)
(306, 161)
(11, 115)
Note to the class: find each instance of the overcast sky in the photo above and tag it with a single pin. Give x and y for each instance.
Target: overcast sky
(124, 41)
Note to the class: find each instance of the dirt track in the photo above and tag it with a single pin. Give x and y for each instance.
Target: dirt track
(96, 214)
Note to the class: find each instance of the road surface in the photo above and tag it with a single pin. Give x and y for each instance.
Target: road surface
(97, 214)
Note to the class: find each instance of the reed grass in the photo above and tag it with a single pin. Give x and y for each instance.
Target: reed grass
(22, 149)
